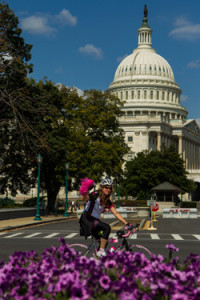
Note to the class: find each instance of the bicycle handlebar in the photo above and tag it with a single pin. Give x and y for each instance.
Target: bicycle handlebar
(125, 232)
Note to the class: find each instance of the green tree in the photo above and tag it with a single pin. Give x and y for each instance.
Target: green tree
(15, 128)
(82, 131)
(149, 169)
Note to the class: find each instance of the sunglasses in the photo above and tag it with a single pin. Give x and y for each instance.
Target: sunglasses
(107, 188)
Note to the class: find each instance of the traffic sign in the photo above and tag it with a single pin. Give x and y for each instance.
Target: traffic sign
(155, 207)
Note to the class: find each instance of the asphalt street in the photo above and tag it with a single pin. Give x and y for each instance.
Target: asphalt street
(183, 233)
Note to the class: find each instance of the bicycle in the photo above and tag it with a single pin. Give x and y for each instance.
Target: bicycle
(125, 245)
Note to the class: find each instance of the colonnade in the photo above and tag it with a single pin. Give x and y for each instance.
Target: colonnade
(187, 148)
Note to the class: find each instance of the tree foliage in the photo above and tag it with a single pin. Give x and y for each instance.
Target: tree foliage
(149, 169)
(53, 120)
(82, 131)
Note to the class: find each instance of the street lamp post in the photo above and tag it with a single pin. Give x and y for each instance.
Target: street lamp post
(66, 192)
(118, 195)
(37, 217)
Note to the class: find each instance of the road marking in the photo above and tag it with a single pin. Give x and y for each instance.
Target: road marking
(113, 235)
(1, 233)
(177, 237)
(154, 236)
(12, 235)
(197, 236)
(31, 235)
(51, 235)
(134, 236)
(70, 235)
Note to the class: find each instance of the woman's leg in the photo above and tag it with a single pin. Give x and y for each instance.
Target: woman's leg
(101, 226)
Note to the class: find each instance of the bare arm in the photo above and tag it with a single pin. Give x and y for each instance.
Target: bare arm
(117, 215)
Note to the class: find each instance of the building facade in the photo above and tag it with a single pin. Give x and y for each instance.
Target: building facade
(152, 113)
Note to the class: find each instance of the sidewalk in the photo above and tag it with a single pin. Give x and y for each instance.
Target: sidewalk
(11, 224)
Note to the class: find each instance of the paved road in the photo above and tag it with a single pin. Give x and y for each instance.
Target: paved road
(184, 234)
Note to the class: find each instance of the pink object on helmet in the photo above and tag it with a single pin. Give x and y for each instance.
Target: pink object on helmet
(86, 185)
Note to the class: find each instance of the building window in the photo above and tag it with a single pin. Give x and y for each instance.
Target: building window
(163, 95)
(151, 94)
(129, 113)
(157, 95)
(132, 94)
(130, 139)
(121, 96)
(145, 94)
(126, 95)
(138, 94)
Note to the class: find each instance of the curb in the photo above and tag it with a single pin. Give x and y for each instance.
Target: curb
(9, 228)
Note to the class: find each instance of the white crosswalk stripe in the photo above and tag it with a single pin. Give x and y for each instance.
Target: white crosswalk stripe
(134, 236)
(51, 235)
(12, 235)
(197, 236)
(32, 235)
(177, 237)
(69, 236)
(154, 236)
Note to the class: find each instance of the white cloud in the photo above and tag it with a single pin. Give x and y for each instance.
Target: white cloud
(91, 50)
(65, 18)
(194, 64)
(37, 25)
(120, 58)
(79, 91)
(185, 30)
(184, 98)
(46, 24)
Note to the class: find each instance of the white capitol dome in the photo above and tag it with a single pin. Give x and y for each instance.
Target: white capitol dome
(145, 80)
(146, 63)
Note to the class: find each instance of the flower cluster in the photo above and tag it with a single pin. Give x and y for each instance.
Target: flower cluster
(62, 273)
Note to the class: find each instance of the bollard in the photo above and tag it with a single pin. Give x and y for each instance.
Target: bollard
(152, 228)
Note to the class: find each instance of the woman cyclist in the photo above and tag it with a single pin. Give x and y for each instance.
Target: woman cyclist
(98, 200)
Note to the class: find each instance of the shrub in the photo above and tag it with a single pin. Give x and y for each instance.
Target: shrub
(32, 202)
(5, 202)
(185, 204)
(62, 273)
(133, 203)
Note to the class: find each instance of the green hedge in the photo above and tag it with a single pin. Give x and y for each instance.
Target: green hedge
(133, 203)
(5, 202)
(32, 202)
(188, 204)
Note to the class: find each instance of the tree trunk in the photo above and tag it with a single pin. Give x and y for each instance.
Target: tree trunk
(52, 195)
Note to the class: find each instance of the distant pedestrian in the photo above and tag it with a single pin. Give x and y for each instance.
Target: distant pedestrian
(73, 206)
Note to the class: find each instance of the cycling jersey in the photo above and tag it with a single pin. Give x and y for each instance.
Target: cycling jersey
(94, 208)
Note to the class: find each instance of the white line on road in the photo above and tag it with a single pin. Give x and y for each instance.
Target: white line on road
(197, 236)
(12, 235)
(154, 236)
(31, 235)
(70, 235)
(134, 236)
(177, 237)
(50, 235)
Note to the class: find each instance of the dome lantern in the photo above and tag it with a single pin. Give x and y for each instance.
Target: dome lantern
(144, 33)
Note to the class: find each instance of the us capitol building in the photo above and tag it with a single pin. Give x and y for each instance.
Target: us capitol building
(152, 114)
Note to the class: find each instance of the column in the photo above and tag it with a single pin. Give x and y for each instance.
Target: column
(158, 141)
(180, 146)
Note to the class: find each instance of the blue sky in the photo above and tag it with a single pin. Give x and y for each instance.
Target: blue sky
(81, 42)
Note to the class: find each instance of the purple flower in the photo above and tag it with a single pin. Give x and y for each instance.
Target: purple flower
(172, 248)
(105, 282)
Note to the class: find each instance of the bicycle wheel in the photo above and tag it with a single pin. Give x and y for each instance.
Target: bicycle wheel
(138, 248)
(82, 249)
